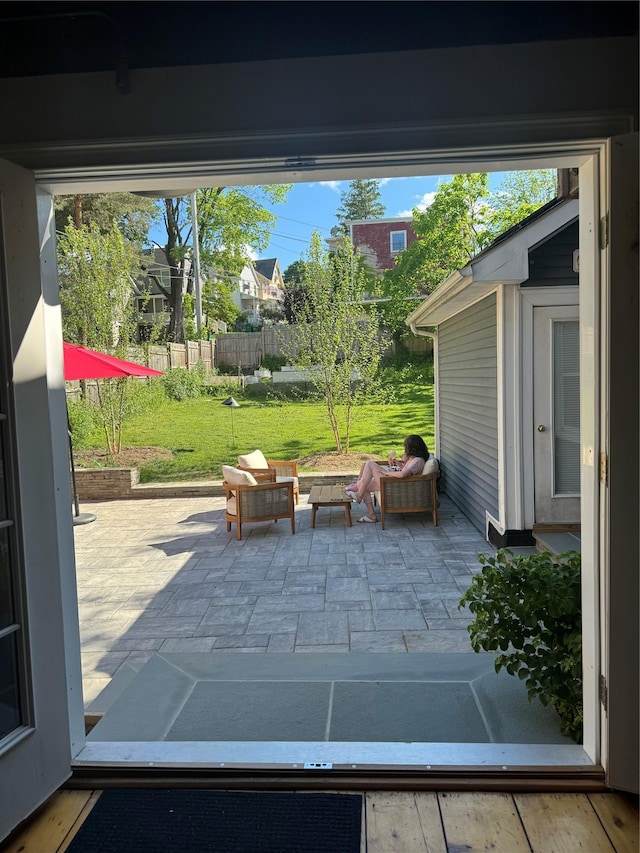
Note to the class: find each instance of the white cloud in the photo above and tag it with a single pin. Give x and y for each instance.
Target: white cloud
(423, 203)
(333, 185)
(251, 252)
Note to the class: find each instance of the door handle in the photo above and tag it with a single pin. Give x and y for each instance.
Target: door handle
(542, 428)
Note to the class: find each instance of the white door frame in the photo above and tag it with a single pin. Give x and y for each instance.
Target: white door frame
(618, 482)
(584, 155)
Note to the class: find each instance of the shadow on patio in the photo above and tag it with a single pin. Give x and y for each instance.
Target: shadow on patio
(353, 633)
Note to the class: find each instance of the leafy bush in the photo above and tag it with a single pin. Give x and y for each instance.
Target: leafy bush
(225, 369)
(182, 384)
(528, 606)
(223, 388)
(144, 395)
(272, 362)
(83, 419)
(402, 357)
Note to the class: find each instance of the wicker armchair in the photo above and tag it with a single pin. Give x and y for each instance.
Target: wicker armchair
(410, 494)
(261, 502)
(285, 471)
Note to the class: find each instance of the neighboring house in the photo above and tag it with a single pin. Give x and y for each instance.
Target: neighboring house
(245, 293)
(507, 378)
(152, 303)
(272, 282)
(259, 286)
(380, 241)
(151, 291)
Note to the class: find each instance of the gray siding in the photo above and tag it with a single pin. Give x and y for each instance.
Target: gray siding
(552, 262)
(468, 376)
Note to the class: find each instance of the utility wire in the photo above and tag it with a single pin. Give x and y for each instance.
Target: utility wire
(288, 219)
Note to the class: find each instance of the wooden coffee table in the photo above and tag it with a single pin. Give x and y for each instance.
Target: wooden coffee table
(329, 496)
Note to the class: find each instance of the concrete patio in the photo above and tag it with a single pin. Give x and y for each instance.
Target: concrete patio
(168, 598)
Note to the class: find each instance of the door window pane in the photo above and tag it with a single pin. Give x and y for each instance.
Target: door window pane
(14, 681)
(7, 610)
(10, 714)
(3, 487)
(398, 241)
(566, 407)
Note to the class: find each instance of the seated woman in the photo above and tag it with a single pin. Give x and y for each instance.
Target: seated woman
(412, 462)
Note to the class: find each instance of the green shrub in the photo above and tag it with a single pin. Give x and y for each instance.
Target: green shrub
(528, 607)
(83, 419)
(144, 395)
(272, 362)
(225, 369)
(223, 388)
(182, 384)
(403, 357)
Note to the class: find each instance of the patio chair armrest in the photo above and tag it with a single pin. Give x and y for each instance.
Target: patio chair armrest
(262, 475)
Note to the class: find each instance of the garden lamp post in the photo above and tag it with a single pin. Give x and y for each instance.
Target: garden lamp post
(232, 404)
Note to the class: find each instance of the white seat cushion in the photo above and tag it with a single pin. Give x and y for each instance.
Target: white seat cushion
(293, 480)
(431, 466)
(253, 460)
(231, 506)
(235, 477)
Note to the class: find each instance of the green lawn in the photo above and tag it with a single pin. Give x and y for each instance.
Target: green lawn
(198, 431)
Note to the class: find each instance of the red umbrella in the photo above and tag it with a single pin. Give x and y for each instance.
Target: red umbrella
(83, 363)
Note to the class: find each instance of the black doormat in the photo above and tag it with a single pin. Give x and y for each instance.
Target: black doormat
(140, 820)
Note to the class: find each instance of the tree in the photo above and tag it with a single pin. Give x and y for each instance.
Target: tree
(361, 200)
(133, 214)
(98, 307)
(296, 299)
(463, 219)
(337, 338)
(518, 196)
(217, 303)
(229, 222)
(450, 232)
(272, 315)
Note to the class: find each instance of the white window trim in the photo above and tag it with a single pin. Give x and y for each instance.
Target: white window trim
(392, 234)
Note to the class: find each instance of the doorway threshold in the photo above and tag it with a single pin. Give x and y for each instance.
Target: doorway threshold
(322, 756)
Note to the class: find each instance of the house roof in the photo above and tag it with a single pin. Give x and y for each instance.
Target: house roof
(380, 220)
(266, 267)
(505, 261)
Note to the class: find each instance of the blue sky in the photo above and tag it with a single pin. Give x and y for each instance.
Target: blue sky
(312, 206)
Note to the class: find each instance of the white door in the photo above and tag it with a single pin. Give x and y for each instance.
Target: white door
(619, 476)
(556, 413)
(35, 739)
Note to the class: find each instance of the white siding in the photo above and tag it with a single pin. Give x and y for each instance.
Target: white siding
(468, 433)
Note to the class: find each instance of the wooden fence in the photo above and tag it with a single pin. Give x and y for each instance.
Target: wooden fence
(241, 350)
(182, 355)
(247, 349)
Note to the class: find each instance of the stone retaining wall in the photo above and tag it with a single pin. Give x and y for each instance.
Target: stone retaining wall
(111, 484)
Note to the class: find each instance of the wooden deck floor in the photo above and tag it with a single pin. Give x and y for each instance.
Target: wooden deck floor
(421, 822)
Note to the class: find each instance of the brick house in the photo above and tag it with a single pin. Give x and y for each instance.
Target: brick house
(380, 241)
